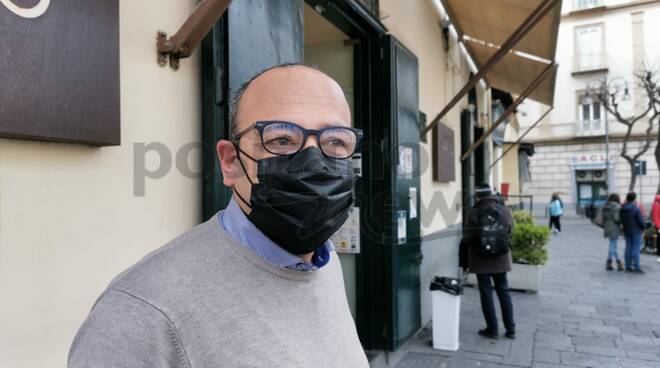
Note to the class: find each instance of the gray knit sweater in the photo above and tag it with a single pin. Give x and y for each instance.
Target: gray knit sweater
(205, 300)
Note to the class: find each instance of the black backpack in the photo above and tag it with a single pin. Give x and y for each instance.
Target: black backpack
(494, 234)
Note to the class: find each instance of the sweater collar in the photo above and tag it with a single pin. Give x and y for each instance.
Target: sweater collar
(239, 227)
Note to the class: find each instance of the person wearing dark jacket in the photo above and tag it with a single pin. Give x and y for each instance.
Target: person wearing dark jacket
(488, 268)
(633, 227)
(612, 230)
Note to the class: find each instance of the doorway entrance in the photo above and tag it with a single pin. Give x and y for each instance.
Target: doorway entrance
(331, 51)
(591, 187)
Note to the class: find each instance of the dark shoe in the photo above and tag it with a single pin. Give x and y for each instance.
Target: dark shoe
(639, 271)
(630, 270)
(619, 265)
(608, 266)
(488, 333)
(510, 334)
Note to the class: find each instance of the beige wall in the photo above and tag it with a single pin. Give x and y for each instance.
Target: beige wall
(507, 167)
(510, 172)
(441, 75)
(68, 219)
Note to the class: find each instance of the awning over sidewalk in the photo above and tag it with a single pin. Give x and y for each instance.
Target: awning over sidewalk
(514, 73)
(513, 43)
(494, 21)
(484, 25)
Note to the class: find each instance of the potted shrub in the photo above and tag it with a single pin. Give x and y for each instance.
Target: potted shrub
(528, 250)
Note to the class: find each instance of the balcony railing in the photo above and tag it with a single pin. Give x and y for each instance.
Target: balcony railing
(590, 62)
(587, 128)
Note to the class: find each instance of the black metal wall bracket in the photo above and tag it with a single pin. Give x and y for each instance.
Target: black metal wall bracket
(166, 50)
(191, 33)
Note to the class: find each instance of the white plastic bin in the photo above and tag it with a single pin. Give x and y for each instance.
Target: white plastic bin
(446, 299)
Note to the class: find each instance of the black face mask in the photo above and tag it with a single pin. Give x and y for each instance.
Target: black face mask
(300, 200)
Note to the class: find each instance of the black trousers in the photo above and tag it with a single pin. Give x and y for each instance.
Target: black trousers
(503, 294)
(555, 220)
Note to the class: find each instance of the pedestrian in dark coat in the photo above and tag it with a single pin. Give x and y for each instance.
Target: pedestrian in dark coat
(633, 227)
(612, 230)
(472, 259)
(488, 268)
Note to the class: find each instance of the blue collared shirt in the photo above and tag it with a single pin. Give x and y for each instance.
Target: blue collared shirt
(237, 225)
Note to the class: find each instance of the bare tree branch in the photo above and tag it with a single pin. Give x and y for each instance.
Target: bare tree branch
(609, 98)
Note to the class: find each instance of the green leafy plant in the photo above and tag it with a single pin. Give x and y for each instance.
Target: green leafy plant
(528, 240)
(523, 217)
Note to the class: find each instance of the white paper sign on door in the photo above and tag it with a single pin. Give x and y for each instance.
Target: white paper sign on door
(405, 167)
(412, 194)
(347, 238)
(401, 226)
(357, 165)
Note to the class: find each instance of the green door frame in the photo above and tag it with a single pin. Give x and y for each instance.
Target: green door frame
(403, 257)
(215, 116)
(467, 165)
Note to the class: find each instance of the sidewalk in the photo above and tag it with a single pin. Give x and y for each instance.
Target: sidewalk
(583, 316)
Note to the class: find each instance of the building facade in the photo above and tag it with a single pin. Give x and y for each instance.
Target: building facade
(578, 145)
(73, 215)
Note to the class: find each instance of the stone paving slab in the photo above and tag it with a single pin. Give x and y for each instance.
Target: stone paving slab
(583, 316)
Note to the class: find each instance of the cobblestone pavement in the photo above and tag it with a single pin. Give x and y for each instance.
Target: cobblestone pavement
(583, 316)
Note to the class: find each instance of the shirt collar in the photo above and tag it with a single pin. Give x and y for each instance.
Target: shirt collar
(239, 227)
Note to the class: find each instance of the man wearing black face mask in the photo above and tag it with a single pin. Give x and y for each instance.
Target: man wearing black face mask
(258, 285)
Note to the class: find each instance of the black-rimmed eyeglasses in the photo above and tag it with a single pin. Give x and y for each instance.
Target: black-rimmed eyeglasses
(284, 138)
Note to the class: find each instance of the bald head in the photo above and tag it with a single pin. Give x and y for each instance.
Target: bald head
(295, 93)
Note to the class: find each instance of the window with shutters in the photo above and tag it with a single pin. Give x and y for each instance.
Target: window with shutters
(444, 169)
(589, 48)
(589, 113)
(587, 4)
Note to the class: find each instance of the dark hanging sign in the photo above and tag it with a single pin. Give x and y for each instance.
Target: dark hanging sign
(640, 168)
(443, 156)
(59, 70)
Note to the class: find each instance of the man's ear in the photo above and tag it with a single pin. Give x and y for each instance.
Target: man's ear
(229, 164)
